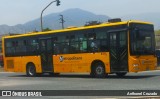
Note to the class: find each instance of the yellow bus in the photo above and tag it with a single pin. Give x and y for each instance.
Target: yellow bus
(114, 47)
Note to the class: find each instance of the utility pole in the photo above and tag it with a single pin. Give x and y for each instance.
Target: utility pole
(62, 21)
(58, 3)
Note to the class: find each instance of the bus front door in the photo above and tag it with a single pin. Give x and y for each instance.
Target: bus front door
(118, 51)
(46, 55)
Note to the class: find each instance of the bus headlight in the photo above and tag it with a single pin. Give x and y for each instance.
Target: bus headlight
(135, 65)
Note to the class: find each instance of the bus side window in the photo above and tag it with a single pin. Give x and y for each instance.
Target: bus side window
(93, 42)
(83, 42)
(62, 45)
(65, 46)
(102, 38)
(33, 46)
(74, 44)
(9, 48)
(22, 47)
(56, 46)
(83, 46)
(18, 47)
(13, 48)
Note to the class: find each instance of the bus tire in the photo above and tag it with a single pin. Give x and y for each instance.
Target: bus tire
(92, 74)
(99, 70)
(121, 74)
(31, 70)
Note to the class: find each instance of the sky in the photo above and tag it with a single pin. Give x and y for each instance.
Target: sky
(14, 12)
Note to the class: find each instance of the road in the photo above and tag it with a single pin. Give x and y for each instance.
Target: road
(133, 81)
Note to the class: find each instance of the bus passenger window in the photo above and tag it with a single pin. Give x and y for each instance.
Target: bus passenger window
(91, 36)
(74, 44)
(83, 42)
(83, 46)
(56, 46)
(74, 47)
(10, 50)
(65, 45)
(104, 45)
(102, 38)
(101, 35)
(72, 38)
(65, 48)
(13, 47)
(23, 46)
(19, 47)
(33, 46)
(93, 43)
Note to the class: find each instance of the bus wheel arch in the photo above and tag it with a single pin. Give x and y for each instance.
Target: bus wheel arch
(30, 69)
(98, 69)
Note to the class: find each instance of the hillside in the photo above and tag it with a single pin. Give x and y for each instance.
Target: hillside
(72, 17)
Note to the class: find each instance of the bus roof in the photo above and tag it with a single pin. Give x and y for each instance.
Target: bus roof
(77, 28)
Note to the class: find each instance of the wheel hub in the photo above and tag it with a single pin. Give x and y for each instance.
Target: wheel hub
(99, 70)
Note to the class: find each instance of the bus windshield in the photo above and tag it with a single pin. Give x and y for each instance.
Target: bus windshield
(142, 39)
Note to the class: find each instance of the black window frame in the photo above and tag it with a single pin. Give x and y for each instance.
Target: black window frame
(81, 34)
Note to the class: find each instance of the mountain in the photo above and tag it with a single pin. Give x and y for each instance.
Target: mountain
(72, 17)
(11, 29)
(149, 17)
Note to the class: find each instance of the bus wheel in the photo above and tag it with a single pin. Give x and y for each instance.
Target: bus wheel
(92, 74)
(121, 74)
(31, 70)
(99, 70)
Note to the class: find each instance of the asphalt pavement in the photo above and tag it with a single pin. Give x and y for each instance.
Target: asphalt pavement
(149, 80)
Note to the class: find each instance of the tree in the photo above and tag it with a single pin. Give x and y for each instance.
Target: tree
(46, 29)
(90, 23)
